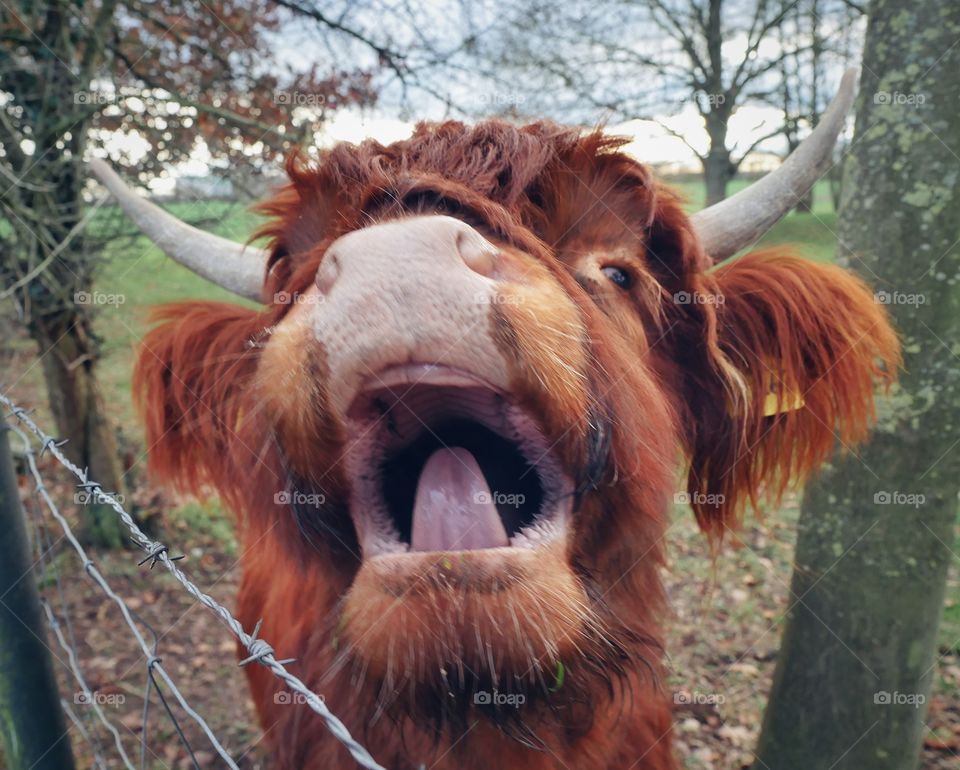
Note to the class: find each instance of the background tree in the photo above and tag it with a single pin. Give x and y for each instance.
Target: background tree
(801, 78)
(171, 77)
(641, 59)
(877, 530)
(832, 34)
(629, 59)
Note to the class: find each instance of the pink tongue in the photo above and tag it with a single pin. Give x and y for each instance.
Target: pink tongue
(454, 509)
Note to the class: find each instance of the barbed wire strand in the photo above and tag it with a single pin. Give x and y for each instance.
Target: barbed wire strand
(163, 701)
(152, 685)
(146, 713)
(259, 649)
(87, 693)
(91, 569)
(78, 723)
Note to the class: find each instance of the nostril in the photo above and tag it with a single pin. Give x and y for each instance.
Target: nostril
(479, 254)
(327, 272)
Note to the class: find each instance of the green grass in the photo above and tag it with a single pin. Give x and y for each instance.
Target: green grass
(136, 270)
(812, 235)
(203, 521)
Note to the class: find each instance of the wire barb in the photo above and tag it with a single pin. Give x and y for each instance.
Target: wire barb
(51, 442)
(154, 557)
(259, 649)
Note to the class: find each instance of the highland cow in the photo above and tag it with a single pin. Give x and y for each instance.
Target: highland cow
(450, 434)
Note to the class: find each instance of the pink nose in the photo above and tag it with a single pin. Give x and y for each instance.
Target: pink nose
(440, 242)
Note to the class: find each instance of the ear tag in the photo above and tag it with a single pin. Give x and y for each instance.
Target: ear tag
(777, 403)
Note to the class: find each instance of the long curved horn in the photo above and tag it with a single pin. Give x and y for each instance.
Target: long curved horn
(730, 225)
(224, 262)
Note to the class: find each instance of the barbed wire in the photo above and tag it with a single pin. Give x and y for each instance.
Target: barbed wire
(78, 723)
(91, 569)
(157, 552)
(74, 666)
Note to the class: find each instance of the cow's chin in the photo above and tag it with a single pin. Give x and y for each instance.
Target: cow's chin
(462, 511)
(466, 622)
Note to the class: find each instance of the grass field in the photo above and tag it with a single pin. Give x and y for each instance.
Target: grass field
(727, 615)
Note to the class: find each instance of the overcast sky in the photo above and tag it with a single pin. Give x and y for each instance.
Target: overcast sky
(393, 117)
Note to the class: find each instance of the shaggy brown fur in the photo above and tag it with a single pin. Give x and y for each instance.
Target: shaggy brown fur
(235, 399)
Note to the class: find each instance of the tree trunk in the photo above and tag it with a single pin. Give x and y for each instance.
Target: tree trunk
(59, 321)
(836, 185)
(718, 169)
(46, 212)
(805, 206)
(68, 356)
(876, 530)
(716, 177)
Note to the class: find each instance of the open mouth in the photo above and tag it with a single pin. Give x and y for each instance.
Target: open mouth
(441, 461)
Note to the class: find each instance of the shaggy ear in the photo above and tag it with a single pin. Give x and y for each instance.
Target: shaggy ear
(795, 350)
(187, 382)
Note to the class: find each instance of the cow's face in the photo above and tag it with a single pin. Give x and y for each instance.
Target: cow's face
(445, 399)
(466, 411)
(484, 354)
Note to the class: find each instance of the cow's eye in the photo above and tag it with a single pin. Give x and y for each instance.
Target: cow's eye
(618, 275)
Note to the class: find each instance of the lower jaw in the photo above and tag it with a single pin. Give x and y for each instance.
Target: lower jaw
(515, 610)
(485, 571)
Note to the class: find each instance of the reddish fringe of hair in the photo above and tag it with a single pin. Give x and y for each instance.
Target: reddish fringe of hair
(792, 327)
(188, 386)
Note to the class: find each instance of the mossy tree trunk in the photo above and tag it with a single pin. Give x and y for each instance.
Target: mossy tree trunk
(877, 529)
(69, 357)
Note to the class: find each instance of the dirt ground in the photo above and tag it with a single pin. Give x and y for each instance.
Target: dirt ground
(722, 646)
